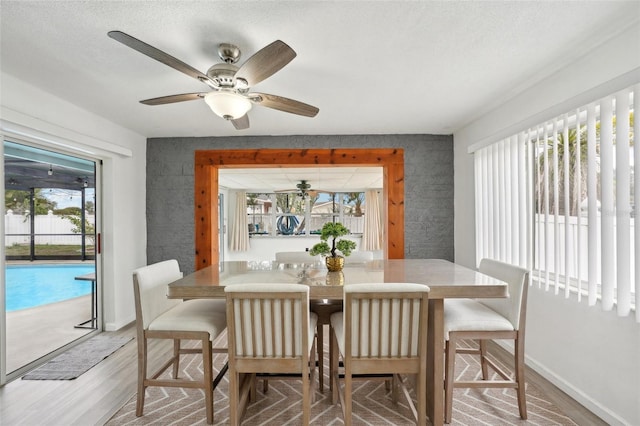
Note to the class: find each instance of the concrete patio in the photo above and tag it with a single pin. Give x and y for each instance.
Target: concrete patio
(35, 332)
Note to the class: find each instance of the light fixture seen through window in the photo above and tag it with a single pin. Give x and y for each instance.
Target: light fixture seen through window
(228, 105)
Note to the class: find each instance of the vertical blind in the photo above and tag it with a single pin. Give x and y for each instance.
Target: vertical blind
(559, 199)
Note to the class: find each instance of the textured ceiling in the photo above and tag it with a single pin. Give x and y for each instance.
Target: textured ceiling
(394, 67)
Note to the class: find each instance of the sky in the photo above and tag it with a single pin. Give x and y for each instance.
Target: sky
(67, 198)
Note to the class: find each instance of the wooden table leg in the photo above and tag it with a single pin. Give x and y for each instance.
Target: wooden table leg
(435, 362)
(324, 309)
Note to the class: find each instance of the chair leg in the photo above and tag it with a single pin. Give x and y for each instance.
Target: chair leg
(253, 390)
(348, 386)
(142, 375)
(450, 364)
(333, 367)
(312, 374)
(519, 373)
(421, 394)
(176, 357)
(320, 350)
(234, 396)
(332, 350)
(483, 359)
(306, 396)
(394, 388)
(207, 361)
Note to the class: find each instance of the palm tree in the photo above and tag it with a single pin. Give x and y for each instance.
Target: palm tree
(570, 148)
(547, 151)
(357, 198)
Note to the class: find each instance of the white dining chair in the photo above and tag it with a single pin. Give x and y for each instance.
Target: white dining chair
(484, 320)
(158, 317)
(358, 256)
(270, 331)
(296, 257)
(382, 331)
(324, 310)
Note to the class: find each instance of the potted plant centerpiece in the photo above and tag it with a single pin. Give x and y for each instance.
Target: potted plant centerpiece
(333, 230)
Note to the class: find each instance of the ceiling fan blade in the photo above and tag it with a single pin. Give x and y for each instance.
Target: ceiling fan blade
(265, 62)
(173, 98)
(241, 123)
(283, 104)
(159, 55)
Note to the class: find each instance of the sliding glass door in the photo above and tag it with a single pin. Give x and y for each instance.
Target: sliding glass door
(51, 288)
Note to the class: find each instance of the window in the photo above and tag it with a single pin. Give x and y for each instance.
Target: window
(560, 198)
(290, 214)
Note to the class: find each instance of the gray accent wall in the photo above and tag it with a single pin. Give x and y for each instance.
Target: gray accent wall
(428, 188)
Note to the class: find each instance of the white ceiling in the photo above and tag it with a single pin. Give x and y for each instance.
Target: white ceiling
(371, 67)
(379, 67)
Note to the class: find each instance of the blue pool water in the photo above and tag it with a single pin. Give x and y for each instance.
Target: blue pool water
(34, 285)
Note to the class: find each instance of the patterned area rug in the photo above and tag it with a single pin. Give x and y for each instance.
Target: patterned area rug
(372, 403)
(79, 359)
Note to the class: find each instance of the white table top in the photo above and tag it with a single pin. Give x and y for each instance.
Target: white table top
(446, 279)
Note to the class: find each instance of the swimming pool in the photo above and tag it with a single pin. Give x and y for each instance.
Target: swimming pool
(28, 286)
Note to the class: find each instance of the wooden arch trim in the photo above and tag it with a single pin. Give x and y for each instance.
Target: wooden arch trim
(208, 163)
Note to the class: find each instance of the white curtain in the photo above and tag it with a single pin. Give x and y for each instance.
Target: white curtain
(240, 227)
(372, 234)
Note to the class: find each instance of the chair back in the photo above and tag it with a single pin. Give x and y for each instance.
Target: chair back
(268, 320)
(295, 257)
(150, 290)
(385, 320)
(513, 307)
(359, 257)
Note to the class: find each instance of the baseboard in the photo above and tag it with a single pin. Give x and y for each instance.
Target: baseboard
(115, 326)
(592, 405)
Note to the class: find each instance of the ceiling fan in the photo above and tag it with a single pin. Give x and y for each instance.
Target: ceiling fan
(303, 190)
(229, 96)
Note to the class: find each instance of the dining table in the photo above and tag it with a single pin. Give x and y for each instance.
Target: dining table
(445, 279)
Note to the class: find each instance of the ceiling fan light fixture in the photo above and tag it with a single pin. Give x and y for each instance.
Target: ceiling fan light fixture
(227, 105)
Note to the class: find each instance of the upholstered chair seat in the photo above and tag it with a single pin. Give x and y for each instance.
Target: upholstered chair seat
(467, 314)
(158, 317)
(484, 320)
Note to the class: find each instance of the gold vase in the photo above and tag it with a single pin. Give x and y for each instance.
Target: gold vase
(334, 264)
(335, 278)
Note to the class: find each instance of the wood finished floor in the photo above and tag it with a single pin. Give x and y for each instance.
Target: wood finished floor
(95, 396)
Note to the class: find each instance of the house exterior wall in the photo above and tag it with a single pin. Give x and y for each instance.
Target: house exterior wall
(592, 355)
(428, 188)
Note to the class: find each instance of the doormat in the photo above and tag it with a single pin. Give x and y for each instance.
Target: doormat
(79, 359)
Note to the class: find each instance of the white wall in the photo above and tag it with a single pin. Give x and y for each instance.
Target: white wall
(33, 114)
(583, 350)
